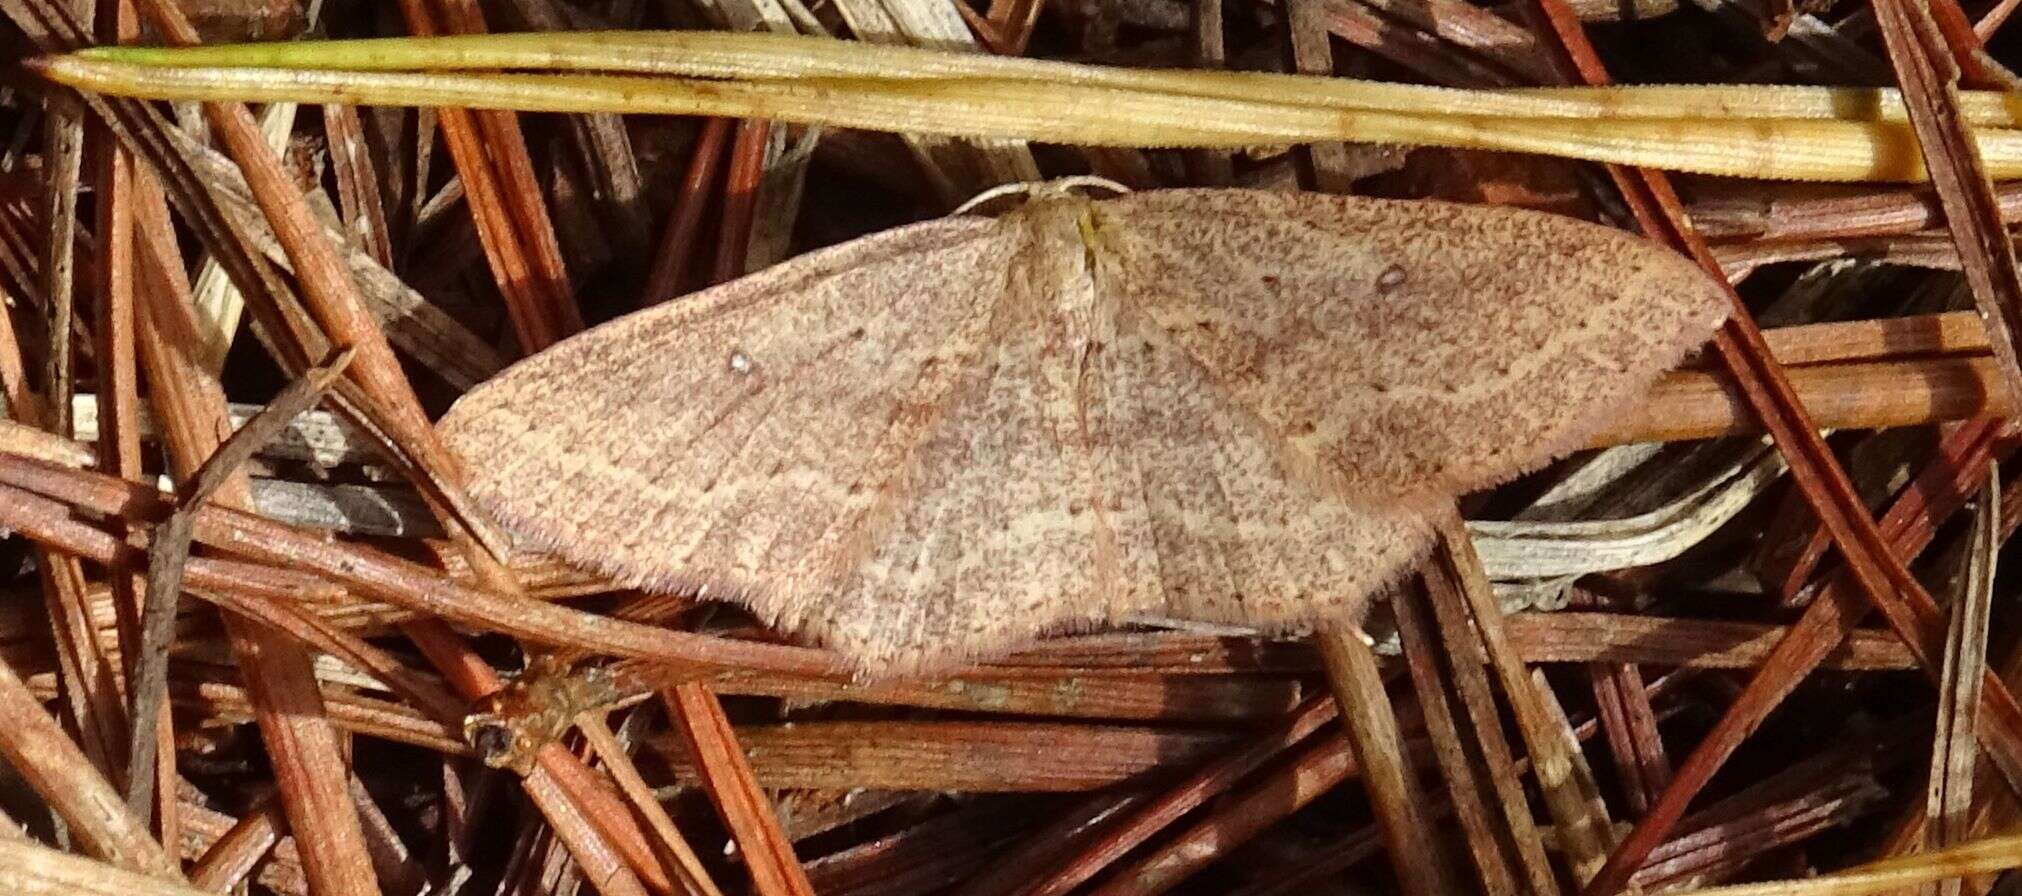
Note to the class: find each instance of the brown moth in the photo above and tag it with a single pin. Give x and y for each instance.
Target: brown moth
(936, 442)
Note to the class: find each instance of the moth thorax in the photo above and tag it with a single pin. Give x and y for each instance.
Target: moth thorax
(1062, 257)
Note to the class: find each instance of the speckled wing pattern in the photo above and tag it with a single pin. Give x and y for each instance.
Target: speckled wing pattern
(937, 442)
(740, 441)
(1419, 349)
(1214, 519)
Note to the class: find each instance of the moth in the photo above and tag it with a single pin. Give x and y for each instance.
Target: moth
(936, 442)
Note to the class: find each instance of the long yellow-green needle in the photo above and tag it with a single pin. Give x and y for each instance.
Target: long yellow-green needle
(1788, 133)
(726, 55)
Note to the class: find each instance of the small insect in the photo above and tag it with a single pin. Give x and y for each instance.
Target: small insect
(1232, 406)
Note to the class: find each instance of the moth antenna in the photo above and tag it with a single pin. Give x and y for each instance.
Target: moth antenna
(1057, 185)
(1087, 182)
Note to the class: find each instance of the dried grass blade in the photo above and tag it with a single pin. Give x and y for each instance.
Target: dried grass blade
(37, 747)
(231, 859)
(1631, 726)
(358, 182)
(1394, 796)
(425, 435)
(1979, 857)
(1943, 333)
(1954, 752)
(740, 198)
(31, 869)
(219, 303)
(1562, 772)
(1880, 574)
(1080, 114)
(490, 156)
(382, 391)
(1060, 840)
(1314, 771)
(1857, 395)
(120, 354)
(1938, 489)
(721, 763)
(90, 694)
(168, 552)
(1930, 80)
(1208, 49)
(64, 148)
(1883, 212)
(1070, 693)
(571, 824)
(982, 757)
(1463, 769)
(1169, 807)
(677, 250)
(304, 749)
(410, 585)
(1461, 639)
(675, 853)
(718, 55)
(118, 402)
(1326, 164)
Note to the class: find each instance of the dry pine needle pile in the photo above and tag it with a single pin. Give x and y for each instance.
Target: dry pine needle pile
(931, 447)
